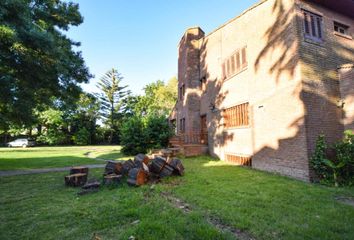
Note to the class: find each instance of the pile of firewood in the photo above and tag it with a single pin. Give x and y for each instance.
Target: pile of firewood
(138, 172)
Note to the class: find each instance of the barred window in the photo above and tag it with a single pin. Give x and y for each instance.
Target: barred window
(236, 116)
(234, 63)
(312, 26)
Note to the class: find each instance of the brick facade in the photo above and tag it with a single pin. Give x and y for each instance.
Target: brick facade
(291, 84)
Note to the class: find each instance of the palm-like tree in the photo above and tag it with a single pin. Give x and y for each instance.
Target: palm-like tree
(110, 97)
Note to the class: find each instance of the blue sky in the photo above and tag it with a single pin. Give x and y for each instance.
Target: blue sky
(140, 37)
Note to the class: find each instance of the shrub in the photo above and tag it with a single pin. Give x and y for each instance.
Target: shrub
(82, 137)
(133, 137)
(52, 137)
(138, 135)
(157, 132)
(339, 170)
(345, 154)
(318, 159)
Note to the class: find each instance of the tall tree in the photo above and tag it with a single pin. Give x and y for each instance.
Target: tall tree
(111, 98)
(37, 60)
(159, 98)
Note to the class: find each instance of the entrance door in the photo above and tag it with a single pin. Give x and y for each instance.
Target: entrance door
(204, 130)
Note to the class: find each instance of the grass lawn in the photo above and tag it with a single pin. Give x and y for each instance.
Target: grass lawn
(46, 157)
(263, 205)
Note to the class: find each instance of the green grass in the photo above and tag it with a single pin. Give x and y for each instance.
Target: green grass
(46, 157)
(267, 206)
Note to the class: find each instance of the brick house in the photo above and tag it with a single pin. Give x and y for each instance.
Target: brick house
(260, 89)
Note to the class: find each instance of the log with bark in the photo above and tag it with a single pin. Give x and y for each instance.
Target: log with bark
(141, 158)
(127, 165)
(137, 177)
(160, 166)
(79, 169)
(76, 180)
(113, 167)
(177, 166)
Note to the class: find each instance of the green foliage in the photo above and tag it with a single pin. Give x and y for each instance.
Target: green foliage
(345, 154)
(52, 137)
(157, 132)
(318, 159)
(37, 60)
(111, 99)
(82, 137)
(138, 135)
(133, 137)
(53, 123)
(339, 170)
(159, 98)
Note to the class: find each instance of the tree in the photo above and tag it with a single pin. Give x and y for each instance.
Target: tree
(37, 60)
(159, 98)
(111, 98)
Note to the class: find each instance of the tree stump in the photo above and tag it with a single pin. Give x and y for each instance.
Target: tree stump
(177, 166)
(112, 179)
(137, 177)
(79, 169)
(76, 180)
(113, 167)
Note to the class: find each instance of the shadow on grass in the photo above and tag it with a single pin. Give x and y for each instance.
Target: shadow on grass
(44, 162)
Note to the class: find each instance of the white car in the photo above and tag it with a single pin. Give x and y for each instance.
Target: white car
(21, 142)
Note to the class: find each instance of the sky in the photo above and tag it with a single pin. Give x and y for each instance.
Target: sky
(139, 37)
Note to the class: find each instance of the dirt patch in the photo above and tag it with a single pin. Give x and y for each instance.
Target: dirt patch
(186, 208)
(346, 200)
(178, 203)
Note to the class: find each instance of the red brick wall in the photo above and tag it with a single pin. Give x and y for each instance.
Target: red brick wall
(319, 62)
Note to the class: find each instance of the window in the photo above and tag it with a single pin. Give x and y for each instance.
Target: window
(236, 116)
(239, 160)
(341, 28)
(312, 26)
(203, 83)
(234, 63)
(181, 92)
(182, 126)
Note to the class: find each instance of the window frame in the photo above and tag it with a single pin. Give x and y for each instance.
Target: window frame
(240, 115)
(339, 25)
(234, 63)
(313, 26)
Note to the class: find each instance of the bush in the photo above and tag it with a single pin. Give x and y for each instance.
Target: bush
(339, 170)
(318, 159)
(82, 137)
(133, 137)
(52, 137)
(157, 132)
(138, 135)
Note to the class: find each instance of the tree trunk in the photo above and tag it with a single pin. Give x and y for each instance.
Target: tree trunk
(76, 180)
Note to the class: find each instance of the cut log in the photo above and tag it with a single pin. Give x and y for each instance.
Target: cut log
(113, 167)
(141, 158)
(127, 165)
(76, 180)
(137, 177)
(157, 164)
(166, 171)
(177, 166)
(90, 185)
(112, 179)
(79, 169)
